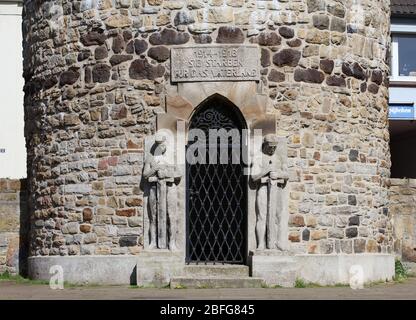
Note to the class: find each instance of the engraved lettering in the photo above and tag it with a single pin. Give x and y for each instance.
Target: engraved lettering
(218, 63)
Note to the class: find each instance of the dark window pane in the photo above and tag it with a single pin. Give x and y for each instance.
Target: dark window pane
(407, 55)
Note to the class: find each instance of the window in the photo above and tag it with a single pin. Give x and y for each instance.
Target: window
(403, 62)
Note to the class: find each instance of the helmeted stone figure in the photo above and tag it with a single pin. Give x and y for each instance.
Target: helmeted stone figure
(163, 177)
(269, 171)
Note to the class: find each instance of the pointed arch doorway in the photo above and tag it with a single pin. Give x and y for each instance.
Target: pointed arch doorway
(216, 191)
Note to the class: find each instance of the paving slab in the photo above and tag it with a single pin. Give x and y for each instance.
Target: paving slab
(10, 290)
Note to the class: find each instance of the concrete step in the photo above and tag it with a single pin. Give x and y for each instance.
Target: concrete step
(226, 270)
(215, 282)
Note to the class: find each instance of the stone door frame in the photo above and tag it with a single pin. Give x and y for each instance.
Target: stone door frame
(180, 103)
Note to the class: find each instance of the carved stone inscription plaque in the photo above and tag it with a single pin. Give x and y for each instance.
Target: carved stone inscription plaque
(215, 63)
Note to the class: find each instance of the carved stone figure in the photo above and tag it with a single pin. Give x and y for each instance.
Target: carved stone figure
(163, 177)
(269, 172)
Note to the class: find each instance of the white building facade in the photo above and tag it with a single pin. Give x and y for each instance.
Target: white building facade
(12, 142)
(402, 93)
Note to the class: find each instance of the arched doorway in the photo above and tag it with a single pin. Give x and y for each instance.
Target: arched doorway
(216, 185)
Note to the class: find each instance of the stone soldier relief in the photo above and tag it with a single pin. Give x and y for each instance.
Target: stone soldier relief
(270, 174)
(163, 177)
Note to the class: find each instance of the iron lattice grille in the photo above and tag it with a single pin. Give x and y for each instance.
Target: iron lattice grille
(216, 197)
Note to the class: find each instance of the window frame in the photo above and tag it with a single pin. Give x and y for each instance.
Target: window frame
(396, 31)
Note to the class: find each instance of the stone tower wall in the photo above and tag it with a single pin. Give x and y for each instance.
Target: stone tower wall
(13, 226)
(98, 72)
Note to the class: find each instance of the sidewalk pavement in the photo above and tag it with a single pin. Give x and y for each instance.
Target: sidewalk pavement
(11, 290)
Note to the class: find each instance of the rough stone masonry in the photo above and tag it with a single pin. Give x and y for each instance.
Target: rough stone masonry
(13, 226)
(97, 75)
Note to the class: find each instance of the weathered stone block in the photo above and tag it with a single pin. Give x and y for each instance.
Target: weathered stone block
(230, 35)
(309, 75)
(70, 227)
(101, 53)
(354, 70)
(85, 228)
(216, 15)
(286, 32)
(315, 5)
(128, 241)
(327, 66)
(118, 21)
(68, 77)
(101, 73)
(316, 36)
(276, 76)
(159, 53)
(183, 18)
(338, 24)
(169, 37)
(269, 39)
(321, 21)
(105, 211)
(141, 69)
(126, 212)
(351, 232)
(120, 58)
(335, 81)
(287, 57)
(359, 245)
(93, 38)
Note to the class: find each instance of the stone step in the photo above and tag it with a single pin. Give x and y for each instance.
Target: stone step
(215, 282)
(226, 270)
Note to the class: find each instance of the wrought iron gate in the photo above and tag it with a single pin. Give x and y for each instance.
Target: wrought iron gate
(217, 193)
